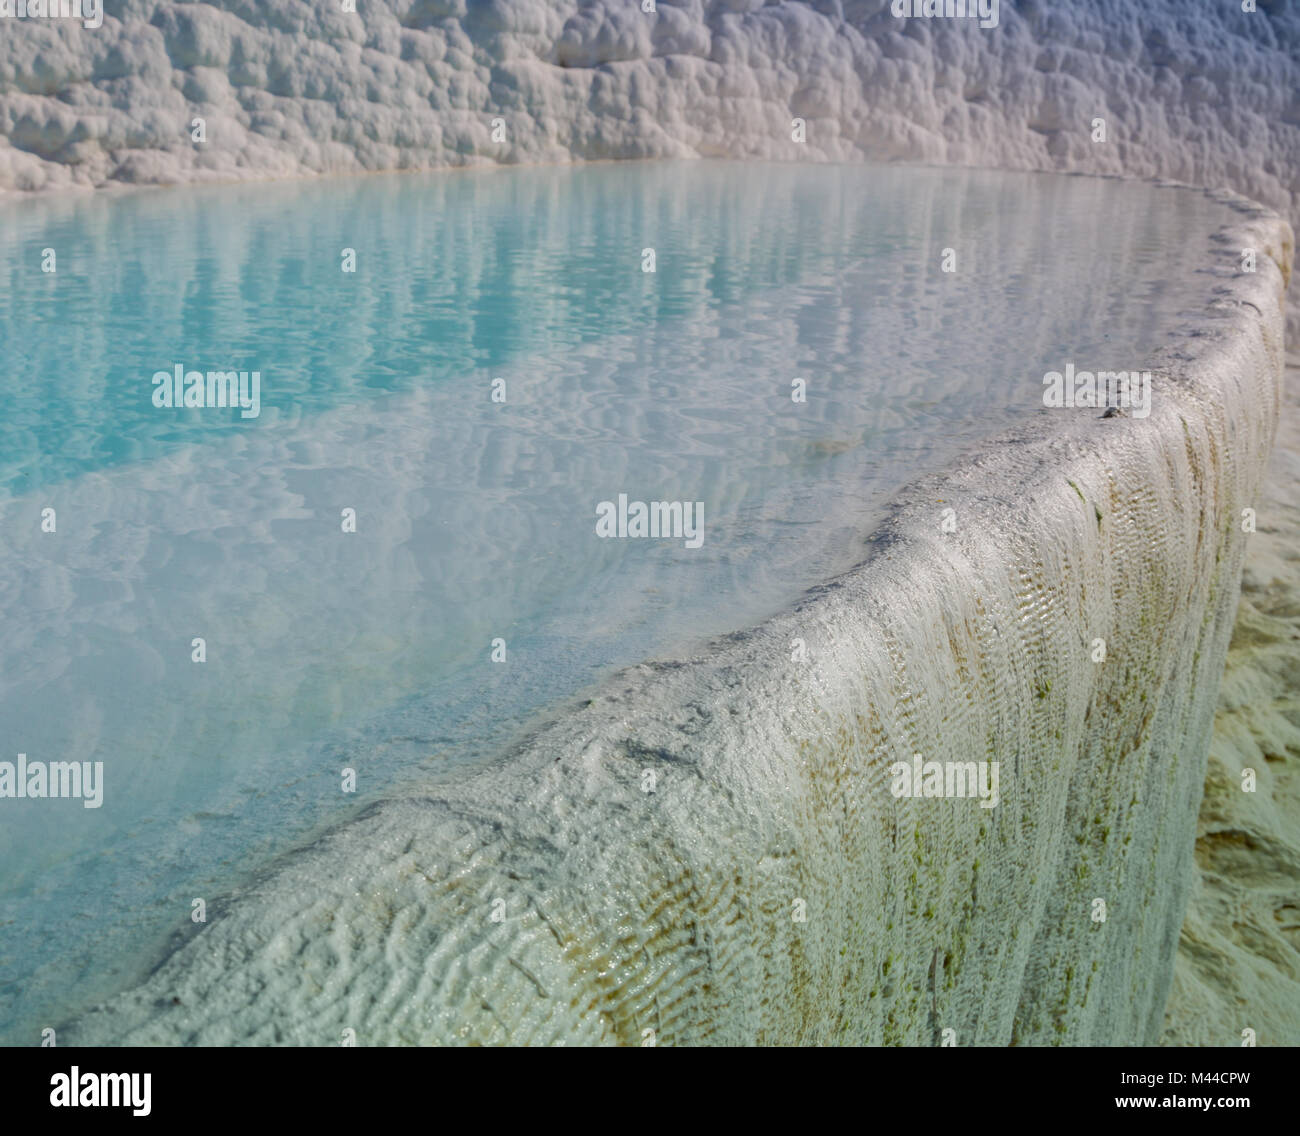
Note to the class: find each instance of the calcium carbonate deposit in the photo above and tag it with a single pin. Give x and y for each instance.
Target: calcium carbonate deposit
(768, 887)
(711, 851)
(1199, 91)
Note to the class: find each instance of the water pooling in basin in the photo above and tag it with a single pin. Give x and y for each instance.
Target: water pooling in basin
(475, 519)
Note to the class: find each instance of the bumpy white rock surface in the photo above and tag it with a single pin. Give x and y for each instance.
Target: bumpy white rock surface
(1195, 91)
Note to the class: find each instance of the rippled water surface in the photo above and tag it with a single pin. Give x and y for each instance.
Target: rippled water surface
(475, 519)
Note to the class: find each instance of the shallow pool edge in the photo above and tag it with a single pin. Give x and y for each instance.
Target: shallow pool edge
(710, 850)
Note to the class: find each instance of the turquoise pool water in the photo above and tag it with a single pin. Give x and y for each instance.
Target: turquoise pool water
(475, 519)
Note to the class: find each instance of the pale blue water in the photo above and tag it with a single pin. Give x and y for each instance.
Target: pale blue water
(475, 520)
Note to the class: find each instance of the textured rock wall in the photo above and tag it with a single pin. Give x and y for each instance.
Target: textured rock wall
(1199, 92)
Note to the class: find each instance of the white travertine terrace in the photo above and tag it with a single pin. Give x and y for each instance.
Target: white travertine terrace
(672, 912)
(621, 911)
(1199, 92)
